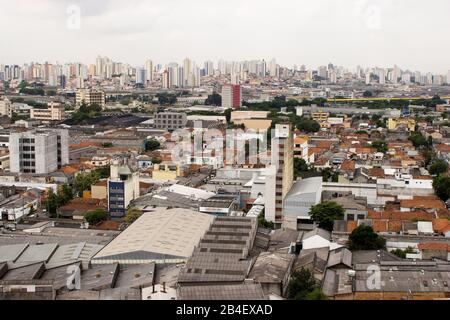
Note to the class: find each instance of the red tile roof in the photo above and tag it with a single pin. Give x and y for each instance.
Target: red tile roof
(348, 165)
(434, 246)
(423, 203)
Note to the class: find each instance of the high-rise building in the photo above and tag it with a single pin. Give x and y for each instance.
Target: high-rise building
(123, 187)
(141, 77)
(39, 151)
(149, 70)
(89, 97)
(282, 160)
(166, 79)
(209, 68)
(5, 107)
(232, 96)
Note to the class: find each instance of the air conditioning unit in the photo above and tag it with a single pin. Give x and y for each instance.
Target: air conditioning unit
(351, 273)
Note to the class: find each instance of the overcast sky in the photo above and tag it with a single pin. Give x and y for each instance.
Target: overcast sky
(411, 33)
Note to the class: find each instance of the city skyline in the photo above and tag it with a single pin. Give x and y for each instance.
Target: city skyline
(348, 33)
(161, 66)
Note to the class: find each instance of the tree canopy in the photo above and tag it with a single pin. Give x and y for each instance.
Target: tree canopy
(152, 145)
(96, 216)
(364, 238)
(438, 167)
(441, 185)
(132, 215)
(303, 286)
(214, 99)
(325, 213)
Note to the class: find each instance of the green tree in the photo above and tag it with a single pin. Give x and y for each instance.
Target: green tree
(84, 181)
(402, 253)
(325, 213)
(263, 222)
(156, 160)
(51, 203)
(381, 146)
(438, 167)
(107, 144)
(103, 172)
(441, 185)
(301, 284)
(418, 139)
(316, 294)
(307, 125)
(96, 216)
(214, 99)
(166, 98)
(152, 145)
(132, 215)
(364, 238)
(300, 167)
(367, 94)
(65, 194)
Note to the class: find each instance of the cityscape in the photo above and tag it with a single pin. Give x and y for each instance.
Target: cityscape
(223, 179)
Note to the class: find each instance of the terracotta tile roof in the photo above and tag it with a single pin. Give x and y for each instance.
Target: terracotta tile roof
(145, 185)
(323, 144)
(85, 144)
(107, 225)
(321, 162)
(314, 150)
(348, 165)
(376, 172)
(300, 140)
(441, 225)
(418, 215)
(443, 148)
(434, 246)
(68, 170)
(422, 203)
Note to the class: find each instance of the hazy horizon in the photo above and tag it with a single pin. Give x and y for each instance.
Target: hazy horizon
(346, 33)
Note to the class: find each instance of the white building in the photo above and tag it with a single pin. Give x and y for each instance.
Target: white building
(5, 107)
(303, 195)
(54, 112)
(38, 151)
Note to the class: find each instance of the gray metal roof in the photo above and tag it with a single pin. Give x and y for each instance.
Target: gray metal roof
(317, 231)
(160, 234)
(24, 272)
(136, 276)
(99, 277)
(271, 267)
(310, 185)
(37, 253)
(222, 292)
(11, 252)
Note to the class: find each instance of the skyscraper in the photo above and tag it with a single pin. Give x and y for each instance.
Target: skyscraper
(209, 68)
(282, 159)
(231, 96)
(149, 70)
